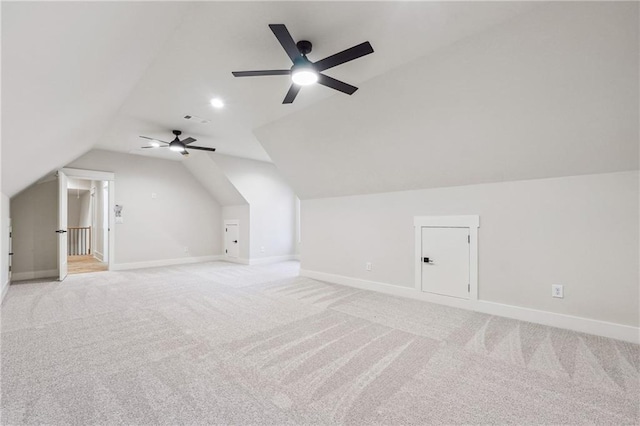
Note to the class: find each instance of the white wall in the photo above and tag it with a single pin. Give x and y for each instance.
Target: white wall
(272, 205)
(183, 214)
(579, 231)
(550, 93)
(34, 214)
(4, 252)
(85, 209)
(240, 213)
(79, 208)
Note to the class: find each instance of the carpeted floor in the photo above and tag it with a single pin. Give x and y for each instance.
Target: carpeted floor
(217, 343)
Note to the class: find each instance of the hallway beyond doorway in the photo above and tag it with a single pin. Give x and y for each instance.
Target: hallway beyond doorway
(84, 264)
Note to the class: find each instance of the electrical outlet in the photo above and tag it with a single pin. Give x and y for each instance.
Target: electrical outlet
(186, 249)
(557, 290)
(154, 195)
(368, 266)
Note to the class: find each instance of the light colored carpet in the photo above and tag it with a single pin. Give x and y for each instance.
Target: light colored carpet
(217, 343)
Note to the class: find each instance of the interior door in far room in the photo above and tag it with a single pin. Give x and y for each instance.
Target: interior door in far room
(231, 244)
(445, 261)
(62, 226)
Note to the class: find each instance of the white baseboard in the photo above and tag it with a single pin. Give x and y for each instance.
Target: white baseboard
(239, 260)
(32, 275)
(98, 255)
(272, 259)
(5, 289)
(580, 324)
(164, 262)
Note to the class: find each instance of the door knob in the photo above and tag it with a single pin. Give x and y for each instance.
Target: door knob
(61, 231)
(235, 241)
(427, 260)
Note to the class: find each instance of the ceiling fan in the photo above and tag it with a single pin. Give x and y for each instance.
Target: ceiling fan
(176, 144)
(304, 72)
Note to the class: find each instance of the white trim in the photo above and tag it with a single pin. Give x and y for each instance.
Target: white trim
(5, 290)
(32, 275)
(296, 257)
(164, 262)
(469, 221)
(233, 259)
(552, 319)
(98, 255)
(239, 260)
(272, 259)
(110, 177)
(88, 174)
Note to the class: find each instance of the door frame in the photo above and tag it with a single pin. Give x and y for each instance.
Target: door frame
(224, 241)
(63, 211)
(110, 178)
(472, 222)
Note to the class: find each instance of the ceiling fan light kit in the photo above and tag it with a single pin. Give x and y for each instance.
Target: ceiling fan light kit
(304, 72)
(176, 144)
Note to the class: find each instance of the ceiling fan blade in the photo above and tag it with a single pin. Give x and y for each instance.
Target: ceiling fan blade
(341, 86)
(285, 39)
(202, 148)
(260, 73)
(153, 139)
(188, 140)
(350, 54)
(153, 147)
(291, 94)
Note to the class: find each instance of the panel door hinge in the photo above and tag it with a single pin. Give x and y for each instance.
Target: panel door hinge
(469, 288)
(225, 229)
(226, 251)
(469, 239)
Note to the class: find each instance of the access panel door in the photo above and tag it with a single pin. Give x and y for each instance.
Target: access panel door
(445, 261)
(231, 246)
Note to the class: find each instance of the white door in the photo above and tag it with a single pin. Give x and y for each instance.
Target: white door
(231, 245)
(445, 261)
(10, 248)
(62, 225)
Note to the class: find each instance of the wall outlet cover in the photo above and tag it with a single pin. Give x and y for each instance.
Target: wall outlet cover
(557, 290)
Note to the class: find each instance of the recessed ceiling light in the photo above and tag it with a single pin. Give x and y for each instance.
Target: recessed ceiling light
(217, 103)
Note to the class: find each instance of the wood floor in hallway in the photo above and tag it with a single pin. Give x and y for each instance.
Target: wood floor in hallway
(85, 263)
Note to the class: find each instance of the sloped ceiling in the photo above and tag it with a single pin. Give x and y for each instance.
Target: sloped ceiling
(67, 67)
(553, 92)
(213, 178)
(84, 75)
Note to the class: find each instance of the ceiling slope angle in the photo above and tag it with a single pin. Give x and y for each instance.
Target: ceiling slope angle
(67, 67)
(195, 64)
(214, 179)
(550, 93)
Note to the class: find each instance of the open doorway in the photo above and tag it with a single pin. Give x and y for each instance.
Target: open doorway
(87, 225)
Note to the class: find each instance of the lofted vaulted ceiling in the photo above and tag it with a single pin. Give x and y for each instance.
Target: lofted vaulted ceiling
(84, 75)
(455, 93)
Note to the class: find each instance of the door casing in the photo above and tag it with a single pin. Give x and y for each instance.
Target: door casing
(472, 222)
(228, 245)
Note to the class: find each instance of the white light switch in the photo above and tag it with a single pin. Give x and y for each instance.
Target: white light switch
(154, 195)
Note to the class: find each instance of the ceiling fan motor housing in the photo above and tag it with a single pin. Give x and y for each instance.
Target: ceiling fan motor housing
(304, 47)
